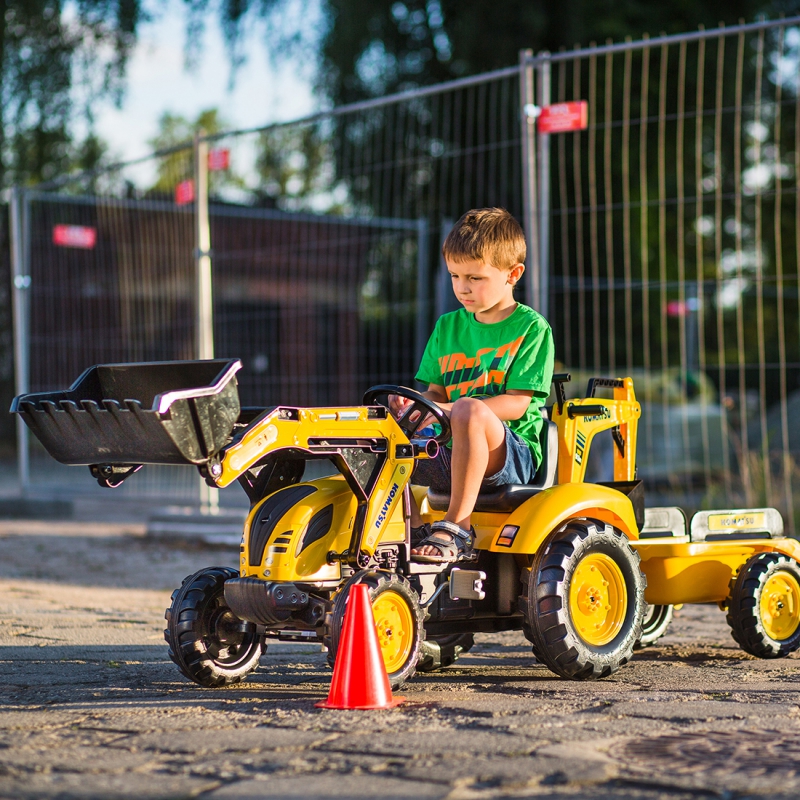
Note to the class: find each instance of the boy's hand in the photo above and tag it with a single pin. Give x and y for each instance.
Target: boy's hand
(397, 405)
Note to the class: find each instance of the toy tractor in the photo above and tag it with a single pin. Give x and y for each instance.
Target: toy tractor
(581, 568)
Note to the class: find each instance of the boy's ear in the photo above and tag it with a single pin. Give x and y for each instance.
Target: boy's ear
(515, 273)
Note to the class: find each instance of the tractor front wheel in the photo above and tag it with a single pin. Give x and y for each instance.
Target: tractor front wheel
(764, 606)
(398, 621)
(207, 641)
(585, 600)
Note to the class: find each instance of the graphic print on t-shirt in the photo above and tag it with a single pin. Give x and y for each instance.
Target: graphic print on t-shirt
(483, 373)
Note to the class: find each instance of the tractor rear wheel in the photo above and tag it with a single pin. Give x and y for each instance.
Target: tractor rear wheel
(398, 620)
(524, 607)
(207, 641)
(585, 600)
(764, 606)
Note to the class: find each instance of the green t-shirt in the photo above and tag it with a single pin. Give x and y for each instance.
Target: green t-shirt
(473, 359)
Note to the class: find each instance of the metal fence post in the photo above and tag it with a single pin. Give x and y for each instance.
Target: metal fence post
(21, 305)
(423, 289)
(533, 289)
(209, 496)
(205, 303)
(543, 155)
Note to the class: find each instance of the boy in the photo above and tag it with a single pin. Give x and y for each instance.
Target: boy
(488, 366)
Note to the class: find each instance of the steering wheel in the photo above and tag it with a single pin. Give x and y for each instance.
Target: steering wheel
(410, 421)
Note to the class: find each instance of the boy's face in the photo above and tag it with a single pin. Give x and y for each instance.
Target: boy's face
(482, 289)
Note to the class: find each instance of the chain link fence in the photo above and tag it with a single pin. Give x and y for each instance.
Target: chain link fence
(325, 238)
(674, 251)
(663, 245)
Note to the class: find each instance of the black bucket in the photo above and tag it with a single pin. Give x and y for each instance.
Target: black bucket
(165, 412)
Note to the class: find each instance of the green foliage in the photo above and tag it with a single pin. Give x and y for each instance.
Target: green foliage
(377, 46)
(289, 27)
(57, 61)
(174, 129)
(175, 133)
(294, 169)
(373, 47)
(175, 136)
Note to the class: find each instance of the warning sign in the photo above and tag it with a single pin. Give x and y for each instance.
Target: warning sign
(219, 159)
(78, 236)
(563, 117)
(184, 192)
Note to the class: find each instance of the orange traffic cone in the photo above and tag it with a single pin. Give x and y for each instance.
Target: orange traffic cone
(359, 675)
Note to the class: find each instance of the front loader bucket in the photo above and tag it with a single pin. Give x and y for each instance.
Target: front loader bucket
(167, 412)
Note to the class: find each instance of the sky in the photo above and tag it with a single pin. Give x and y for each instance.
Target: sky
(157, 81)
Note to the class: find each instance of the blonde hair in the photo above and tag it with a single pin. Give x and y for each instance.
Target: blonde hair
(486, 234)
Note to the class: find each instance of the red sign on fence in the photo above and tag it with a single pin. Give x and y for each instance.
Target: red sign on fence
(682, 308)
(184, 192)
(562, 117)
(219, 159)
(79, 236)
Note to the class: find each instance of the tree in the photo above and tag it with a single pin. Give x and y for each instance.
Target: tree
(295, 169)
(370, 48)
(289, 28)
(373, 47)
(175, 134)
(57, 61)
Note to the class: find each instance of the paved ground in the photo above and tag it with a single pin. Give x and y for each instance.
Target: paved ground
(91, 707)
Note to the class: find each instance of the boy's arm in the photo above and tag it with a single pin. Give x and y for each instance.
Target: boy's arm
(507, 406)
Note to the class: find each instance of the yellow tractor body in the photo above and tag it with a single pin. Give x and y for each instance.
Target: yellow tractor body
(583, 569)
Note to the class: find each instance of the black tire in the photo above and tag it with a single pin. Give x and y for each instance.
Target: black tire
(524, 607)
(764, 606)
(438, 652)
(572, 634)
(398, 595)
(654, 625)
(209, 644)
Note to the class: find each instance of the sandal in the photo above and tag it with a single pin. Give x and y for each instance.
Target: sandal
(458, 548)
(420, 534)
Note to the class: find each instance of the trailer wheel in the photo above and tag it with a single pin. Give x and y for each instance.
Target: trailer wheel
(207, 641)
(654, 625)
(398, 619)
(441, 651)
(585, 600)
(764, 606)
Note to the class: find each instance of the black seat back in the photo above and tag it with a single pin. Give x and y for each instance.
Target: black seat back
(504, 499)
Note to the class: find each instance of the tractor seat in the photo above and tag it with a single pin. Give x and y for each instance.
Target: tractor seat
(505, 499)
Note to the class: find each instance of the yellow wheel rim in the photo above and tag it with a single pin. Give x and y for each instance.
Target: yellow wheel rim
(598, 599)
(780, 605)
(395, 627)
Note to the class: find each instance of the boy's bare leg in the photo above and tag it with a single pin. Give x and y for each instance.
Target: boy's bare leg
(479, 449)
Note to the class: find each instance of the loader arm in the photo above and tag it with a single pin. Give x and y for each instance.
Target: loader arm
(365, 444)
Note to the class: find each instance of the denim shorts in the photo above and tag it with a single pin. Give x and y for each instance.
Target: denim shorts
(519, 467)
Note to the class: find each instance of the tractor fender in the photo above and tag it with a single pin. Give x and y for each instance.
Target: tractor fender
(537, 517)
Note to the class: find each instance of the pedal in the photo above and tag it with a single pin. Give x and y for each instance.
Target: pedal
(467, 584)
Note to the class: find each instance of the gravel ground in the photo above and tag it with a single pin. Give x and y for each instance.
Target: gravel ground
(91, 707)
